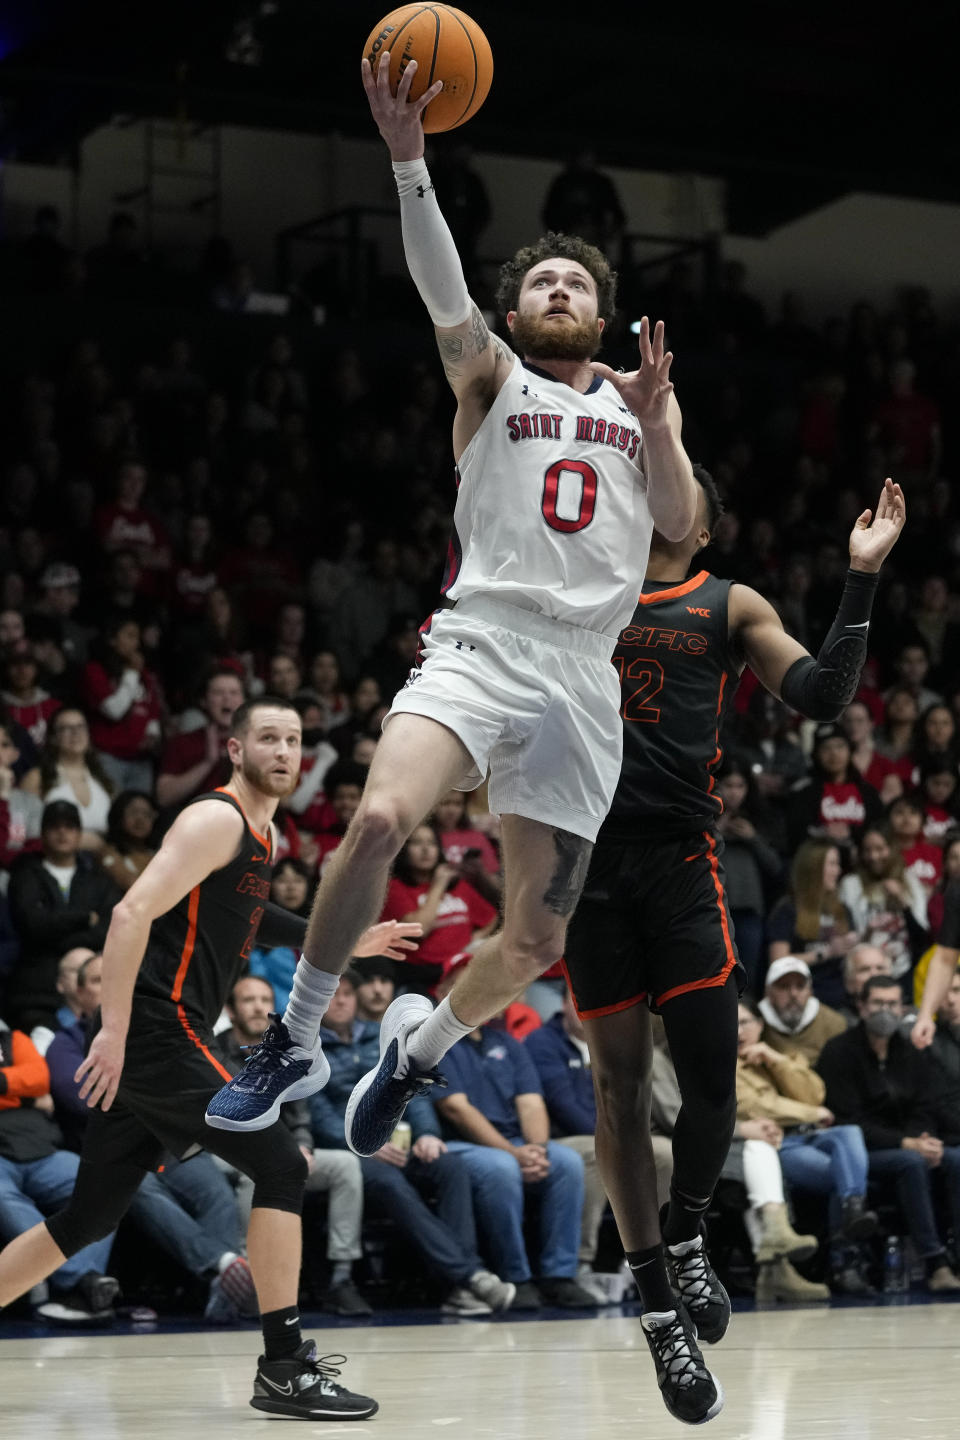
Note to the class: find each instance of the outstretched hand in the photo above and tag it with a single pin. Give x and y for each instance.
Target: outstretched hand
(870, 544)
(398, 117)
(389, 938)
(645, 391)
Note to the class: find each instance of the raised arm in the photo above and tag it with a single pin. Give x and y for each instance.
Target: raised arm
(476, 362)
(203, 839)
(821, 688)
(671, 488)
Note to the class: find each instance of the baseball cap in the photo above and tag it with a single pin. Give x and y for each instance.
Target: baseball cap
(60, 812)
(830, 731)
(787, 965)
(60, 576)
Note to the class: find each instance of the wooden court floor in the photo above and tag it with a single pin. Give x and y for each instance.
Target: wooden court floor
(860, 1374)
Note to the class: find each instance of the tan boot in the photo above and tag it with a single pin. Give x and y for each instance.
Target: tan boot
(777, 1280)
(780, 1238)
(943, 1281)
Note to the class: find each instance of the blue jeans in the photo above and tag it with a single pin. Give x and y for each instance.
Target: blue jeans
(191, 1212)
(32, 1189)
(830, 1162)
(445, 1237)
(499, 1193)
(914, 1180)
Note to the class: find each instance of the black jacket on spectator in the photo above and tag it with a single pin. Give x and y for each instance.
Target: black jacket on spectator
(946, 1050)
(49, 925)
(906, 1096)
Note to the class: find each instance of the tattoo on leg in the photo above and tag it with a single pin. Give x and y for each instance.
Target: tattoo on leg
(566, 882)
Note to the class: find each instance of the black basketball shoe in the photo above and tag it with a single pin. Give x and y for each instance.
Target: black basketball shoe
(698, 1285)
(303, 1387)
(689, 1391)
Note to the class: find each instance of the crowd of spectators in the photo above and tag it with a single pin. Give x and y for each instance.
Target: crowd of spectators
(179, 530)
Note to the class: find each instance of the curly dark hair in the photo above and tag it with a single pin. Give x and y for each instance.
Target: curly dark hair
(563, 247)
(708, 485)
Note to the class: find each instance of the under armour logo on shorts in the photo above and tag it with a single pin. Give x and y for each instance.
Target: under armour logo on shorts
(462, 645)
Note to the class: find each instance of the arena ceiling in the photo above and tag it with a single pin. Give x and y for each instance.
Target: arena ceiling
(792, 105)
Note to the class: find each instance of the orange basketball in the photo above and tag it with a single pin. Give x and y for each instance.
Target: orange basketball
(447, 45)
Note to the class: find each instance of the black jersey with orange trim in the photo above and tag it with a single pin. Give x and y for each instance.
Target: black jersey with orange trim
(197, 950)
(677, 676)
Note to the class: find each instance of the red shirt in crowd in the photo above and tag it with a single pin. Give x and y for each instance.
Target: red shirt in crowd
(456, 843)
(182, 752)
(925, 861)
(126, 737)
(33, 715)
(460, 912)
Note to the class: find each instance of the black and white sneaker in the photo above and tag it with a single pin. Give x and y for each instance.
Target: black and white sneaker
(697, 1284)
(689, 1391)
(303, 1387)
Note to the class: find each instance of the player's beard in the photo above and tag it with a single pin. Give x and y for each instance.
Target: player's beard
(276, 786)
(548, 340)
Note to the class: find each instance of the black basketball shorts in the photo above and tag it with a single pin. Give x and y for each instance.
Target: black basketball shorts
(653, 922)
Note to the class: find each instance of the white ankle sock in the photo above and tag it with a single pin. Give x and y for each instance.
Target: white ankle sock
(312, 992)
(439, 1032)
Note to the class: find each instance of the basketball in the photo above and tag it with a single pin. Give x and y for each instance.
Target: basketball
(447, 45)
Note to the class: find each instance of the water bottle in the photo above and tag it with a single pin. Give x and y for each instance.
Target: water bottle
(895, 1280)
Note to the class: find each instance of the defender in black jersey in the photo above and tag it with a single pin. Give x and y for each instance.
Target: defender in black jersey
(177, 943)
(653, 929)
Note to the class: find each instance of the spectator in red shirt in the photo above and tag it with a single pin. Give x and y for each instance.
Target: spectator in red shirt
(908, 425)
(888, 777)
(197, 761)
(836, 802)
(126, 525)
(935, 741)
(123, 700)
(940, 796)
(26, 702)
(425, 887)
(325, 681)
(257, 573)
(950, 871)
(922, 859)
(194, 574)
(343, 785)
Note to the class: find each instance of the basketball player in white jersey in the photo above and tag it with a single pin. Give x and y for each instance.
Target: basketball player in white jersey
(564, 468)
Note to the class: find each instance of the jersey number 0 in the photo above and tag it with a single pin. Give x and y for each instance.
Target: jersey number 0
(588, 495)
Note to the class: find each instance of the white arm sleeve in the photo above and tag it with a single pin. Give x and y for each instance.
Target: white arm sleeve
(431, 255)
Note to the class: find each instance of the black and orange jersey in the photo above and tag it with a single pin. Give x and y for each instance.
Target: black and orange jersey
(197, 950)
(677, 675)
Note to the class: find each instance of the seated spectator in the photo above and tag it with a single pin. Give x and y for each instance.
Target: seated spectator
(187, 1209)
(934, 739)
(59, 899)
(896, 737)
(795, 1021)
(129, 848)
(939, 784)
(333, 1172)
(921, 859)
(912, 666)
(859, 964)
(26, 703)
(946, 1041)
(949, 870)
(454, 916)
(751, 863)
(390, 662)
(815, 1154)
(765, 741)
(494, 1106)
(753, 1161)
(366, 702)
(317, 756)
(344, 787)
(812, 920)
(888, 777)
(400, 1182)
(68, 970)
(292, 890)
(128, 525)
(197, 761)
(70, 771)
(37, 1176)
(323, 677)
(910, 1119)
(836, 802)
(374, 980)
(887, 905)
(559, 1052)
(459, 836)
(123, 699)
(20, 809)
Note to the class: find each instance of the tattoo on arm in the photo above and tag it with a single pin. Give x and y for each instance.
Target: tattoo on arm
(456, 349)
(479, 337)
(570, 872)
(451, 351)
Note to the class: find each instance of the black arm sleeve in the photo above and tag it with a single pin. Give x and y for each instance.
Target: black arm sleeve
(281, 927)
(821, 688)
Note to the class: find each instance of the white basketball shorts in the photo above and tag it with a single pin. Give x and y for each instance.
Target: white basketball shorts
(535, 701)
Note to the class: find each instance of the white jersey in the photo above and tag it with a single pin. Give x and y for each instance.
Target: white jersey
(551, 512)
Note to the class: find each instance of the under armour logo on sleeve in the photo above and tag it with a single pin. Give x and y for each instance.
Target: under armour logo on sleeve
(423, 190)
